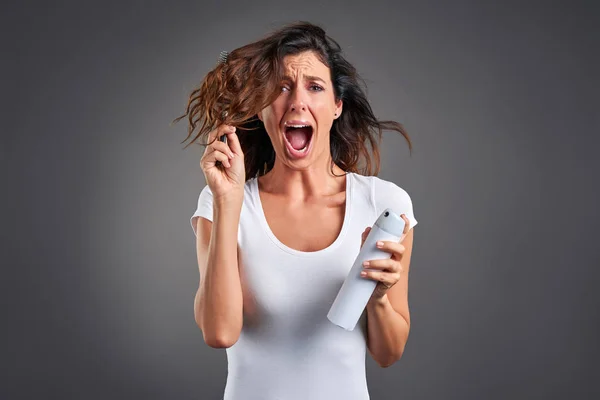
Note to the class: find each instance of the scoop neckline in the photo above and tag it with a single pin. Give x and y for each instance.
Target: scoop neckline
(267, 229)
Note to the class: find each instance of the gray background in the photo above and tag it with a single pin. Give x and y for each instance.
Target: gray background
(99, 267)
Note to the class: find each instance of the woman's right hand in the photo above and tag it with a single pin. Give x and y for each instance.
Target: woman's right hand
(229, 178)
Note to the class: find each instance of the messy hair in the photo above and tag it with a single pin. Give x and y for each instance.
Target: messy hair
(235, 91)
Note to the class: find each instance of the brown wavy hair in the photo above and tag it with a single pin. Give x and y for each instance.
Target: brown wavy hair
(235, 91)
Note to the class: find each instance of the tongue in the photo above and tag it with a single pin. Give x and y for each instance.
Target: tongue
(297, 137)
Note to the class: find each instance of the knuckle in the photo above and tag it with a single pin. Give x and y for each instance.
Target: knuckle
(227, 129)
(220, 146)
(216, 145)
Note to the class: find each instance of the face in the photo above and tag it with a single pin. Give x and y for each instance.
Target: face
(299, 120)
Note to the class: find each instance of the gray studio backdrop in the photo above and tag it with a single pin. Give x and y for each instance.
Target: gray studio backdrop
(99, 260)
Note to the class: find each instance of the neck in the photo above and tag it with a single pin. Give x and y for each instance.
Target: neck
(314, 181)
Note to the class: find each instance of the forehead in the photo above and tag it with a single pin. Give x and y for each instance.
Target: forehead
(306, 63)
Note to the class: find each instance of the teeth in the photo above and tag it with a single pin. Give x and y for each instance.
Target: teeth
(298, 126)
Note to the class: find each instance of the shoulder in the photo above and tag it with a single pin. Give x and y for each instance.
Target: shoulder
(383, 188)
(387, 194)
(204, 207)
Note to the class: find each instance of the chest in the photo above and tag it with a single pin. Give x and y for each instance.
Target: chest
(305, 227)
(289, 290)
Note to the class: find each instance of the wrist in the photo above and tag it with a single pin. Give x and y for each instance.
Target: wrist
(230, 201)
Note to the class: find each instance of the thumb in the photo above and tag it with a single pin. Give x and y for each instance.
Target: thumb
(364, 236)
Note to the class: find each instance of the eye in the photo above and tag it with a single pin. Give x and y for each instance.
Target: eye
(316, 88)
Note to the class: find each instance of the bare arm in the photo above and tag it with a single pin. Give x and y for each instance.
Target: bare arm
(218, 303)
(389, 316)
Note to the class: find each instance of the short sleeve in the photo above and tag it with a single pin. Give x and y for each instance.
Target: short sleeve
(204, 207)
(389, 195)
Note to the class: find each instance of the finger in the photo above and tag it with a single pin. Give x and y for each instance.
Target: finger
(364, 235)
(223, 148)
(387, 264)
(387, 278)
(213, 154)
(220, 131)
(234, 143)
(395, 248)
(406, 226)
(219, 156)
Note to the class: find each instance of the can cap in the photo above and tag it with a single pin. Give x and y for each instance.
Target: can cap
(390, 222)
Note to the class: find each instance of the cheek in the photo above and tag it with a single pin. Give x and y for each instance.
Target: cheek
(272, 114)
(267, 117)
(271, 118)
(324, 115)
(323, 107)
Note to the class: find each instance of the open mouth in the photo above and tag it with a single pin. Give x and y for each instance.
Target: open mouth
(298, 137)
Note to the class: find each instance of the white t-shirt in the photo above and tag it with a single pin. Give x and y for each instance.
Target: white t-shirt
(288, 349)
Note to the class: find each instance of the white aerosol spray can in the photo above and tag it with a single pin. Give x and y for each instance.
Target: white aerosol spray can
(356, 291)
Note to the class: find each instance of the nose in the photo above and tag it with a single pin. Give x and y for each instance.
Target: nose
(297, 101)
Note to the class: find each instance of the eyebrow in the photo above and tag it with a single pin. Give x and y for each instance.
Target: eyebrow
(306, 77)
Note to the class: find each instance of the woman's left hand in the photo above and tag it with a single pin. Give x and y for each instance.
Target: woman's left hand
(386, 272)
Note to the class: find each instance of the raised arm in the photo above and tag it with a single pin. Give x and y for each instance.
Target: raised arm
(218, 304)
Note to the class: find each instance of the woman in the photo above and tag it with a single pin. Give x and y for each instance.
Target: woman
(282, 218)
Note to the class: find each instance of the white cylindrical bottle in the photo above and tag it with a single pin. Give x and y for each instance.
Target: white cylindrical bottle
(356, 291)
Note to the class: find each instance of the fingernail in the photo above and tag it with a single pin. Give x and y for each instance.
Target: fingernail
(363, 273)
(366, 263)
(379, 244)
(231, 155)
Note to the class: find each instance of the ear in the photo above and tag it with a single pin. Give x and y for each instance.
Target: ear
(338, 108)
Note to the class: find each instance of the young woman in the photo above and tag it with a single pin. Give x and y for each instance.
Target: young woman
(282, 218)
